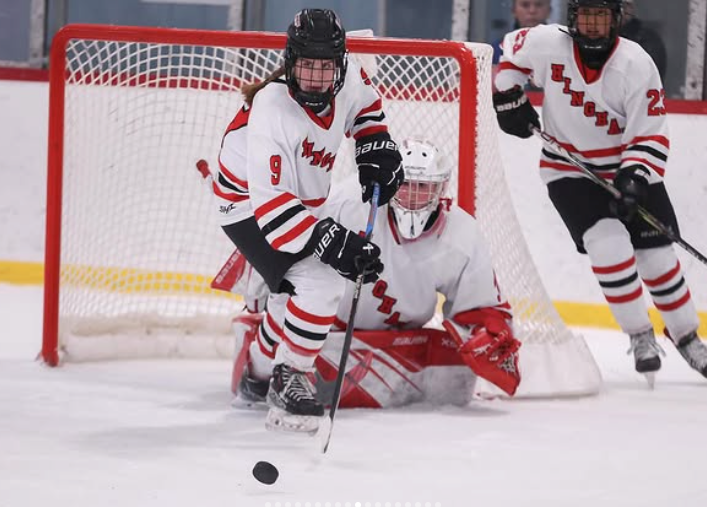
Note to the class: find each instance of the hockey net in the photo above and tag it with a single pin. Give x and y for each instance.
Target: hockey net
(132, 238)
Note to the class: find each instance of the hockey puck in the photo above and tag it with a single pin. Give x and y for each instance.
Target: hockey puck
(265, 472)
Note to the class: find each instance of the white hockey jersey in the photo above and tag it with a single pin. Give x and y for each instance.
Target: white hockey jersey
(450, 260)
(610, 118)
(277, 157)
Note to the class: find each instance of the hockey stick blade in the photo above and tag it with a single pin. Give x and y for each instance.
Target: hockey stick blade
(327, 425)
(642, 212)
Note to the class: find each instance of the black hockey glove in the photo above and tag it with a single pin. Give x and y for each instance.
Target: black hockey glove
(632, 182)
(379, 161)
(345, 251)
(515, 113)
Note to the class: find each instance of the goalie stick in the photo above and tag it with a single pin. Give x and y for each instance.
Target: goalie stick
(234, 268)
(642, 212)
(327, 424)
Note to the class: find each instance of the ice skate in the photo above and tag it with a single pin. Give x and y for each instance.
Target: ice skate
(292, 401)
(694, 351)
(646, 353)
(251, 391)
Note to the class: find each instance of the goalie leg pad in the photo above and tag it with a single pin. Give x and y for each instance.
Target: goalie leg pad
(243, 383)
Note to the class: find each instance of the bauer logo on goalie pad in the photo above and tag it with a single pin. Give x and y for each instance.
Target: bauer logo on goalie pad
(394, 368)
(410, 340)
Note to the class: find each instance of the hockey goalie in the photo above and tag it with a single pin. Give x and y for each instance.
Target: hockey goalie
(431, 251)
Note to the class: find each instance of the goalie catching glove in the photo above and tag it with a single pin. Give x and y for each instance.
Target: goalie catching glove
(379, 161)
(515, 113)
(345, 251)
(487, 346)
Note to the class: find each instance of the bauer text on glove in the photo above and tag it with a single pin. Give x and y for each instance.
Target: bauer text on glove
(515, 113)
(379, 161)
(345, 251)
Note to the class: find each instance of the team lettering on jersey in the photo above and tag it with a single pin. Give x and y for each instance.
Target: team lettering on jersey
(319, 158)
(626, 126)
(387, 304)
(520, 40)
(577, 99)
(366, 79)
(282, 176)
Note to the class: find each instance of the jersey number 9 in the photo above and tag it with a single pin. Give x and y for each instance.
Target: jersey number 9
(275, 169)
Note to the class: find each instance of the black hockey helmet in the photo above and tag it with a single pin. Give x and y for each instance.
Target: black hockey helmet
(316, 34)
(595, 49)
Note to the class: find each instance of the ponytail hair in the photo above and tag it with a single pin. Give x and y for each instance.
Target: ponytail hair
(250, 90)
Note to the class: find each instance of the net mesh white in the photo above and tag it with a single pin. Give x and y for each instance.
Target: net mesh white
(139, 238)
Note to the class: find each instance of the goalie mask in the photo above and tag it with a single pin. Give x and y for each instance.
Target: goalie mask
(595, 48)
(316, 34)
(415, 205)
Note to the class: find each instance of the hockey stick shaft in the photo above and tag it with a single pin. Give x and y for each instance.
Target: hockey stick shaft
(642, 212)
(348, 337)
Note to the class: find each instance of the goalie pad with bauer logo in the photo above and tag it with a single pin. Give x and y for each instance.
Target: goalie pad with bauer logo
(393, 368)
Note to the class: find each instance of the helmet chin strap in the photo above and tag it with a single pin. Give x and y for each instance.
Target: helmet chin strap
(317, 102)
(594, 52)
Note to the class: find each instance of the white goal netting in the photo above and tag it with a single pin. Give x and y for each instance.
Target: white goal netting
(139, 243)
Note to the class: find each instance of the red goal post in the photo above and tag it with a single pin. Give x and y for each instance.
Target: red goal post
(131, 241)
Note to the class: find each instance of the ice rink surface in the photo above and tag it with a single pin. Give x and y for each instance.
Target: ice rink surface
(163, 433)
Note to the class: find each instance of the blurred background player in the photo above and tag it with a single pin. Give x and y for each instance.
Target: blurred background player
(274, 176)
(429, 248)
(526, 14)
(604, 103)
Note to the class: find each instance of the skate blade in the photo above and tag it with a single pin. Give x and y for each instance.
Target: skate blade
(650, 378)
(280, 420)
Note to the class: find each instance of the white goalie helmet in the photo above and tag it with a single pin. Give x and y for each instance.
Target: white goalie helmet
(427, 175)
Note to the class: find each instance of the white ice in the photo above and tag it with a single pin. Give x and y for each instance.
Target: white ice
(163, 433)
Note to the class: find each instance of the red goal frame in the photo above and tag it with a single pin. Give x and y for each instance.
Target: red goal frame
(255, 40)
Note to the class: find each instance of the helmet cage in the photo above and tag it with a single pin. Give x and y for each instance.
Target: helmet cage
(426, 180)
(600, 45)
(316, 34)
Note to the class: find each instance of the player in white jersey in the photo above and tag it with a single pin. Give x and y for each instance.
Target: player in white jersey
(274, 176)
(429, 248)
(604, 103)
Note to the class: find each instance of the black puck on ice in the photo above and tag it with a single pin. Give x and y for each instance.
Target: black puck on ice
(265, 472)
